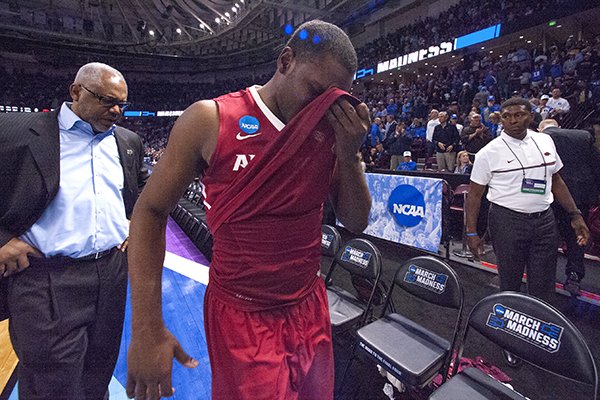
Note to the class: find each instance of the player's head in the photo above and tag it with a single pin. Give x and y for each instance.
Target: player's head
(319, 55)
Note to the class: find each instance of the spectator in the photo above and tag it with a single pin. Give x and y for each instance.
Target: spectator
(445, 140)
(537, 76)
(408, 164)
(431, 124)
(454, 121)
(392, 108)
(558, 105)
(463, 163)
(544, 109)
(475, 136)
(495, 124)
(376, 133)
(481, 96)
(390, 127)
(487, 110)
(398, 144)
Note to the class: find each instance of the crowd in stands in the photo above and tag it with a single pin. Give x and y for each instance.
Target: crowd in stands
(465, 17)
(563, 77)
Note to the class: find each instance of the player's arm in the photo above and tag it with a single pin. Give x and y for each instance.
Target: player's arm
(349, 193)
(152, 347)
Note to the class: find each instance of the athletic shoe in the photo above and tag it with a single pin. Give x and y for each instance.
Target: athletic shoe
(572, 283)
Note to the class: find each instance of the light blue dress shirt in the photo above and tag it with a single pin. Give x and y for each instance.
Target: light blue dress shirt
(88, 214)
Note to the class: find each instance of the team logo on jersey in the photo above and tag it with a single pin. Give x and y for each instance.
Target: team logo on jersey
(241, 161)
(249, 126)
(542, 334)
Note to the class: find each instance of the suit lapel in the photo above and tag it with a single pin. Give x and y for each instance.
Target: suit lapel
(126, 154)
(45, 148)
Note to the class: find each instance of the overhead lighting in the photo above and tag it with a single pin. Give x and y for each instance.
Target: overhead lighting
(521, 37)
(237, 5)
(559, 26)
(500, 56)
(151, 32)
(529, 41)
(491, 51)
(234, 9)
(227, 14)
(218, 20)
(178, 30)
(453, 56)
(202, 26)
(426, 63)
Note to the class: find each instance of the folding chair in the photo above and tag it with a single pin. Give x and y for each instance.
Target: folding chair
(531, 329)
(361, 259)
(330, 245)
(408, 351)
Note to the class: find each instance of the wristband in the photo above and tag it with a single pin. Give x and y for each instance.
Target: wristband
(471, 234)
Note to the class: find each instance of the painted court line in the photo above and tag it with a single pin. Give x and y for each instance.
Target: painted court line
(188, 268)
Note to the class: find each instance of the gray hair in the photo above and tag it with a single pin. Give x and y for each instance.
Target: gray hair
(547, 123)
(318, 39)
(91, 73)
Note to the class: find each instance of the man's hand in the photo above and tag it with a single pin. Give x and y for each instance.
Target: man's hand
(123, 246)
(476, 246)
(350, 125)
(14, 256)
(442, 146)
(581, 230)
(449, 149)
(150, 363)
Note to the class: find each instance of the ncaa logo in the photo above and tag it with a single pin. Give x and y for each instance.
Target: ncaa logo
(499, 310)
(407, 205)
(249, 124)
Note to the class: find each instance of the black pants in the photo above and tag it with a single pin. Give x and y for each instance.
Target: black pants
(66, 321)
(525, 243)
(575, 253)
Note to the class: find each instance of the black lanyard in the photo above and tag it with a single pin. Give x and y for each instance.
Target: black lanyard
(522, 166)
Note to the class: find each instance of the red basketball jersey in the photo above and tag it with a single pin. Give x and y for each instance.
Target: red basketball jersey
(268, 253)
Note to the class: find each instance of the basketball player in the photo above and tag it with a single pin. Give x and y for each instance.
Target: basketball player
(269, 157)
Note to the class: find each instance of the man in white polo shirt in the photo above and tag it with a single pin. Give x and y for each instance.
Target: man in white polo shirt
(521, 171)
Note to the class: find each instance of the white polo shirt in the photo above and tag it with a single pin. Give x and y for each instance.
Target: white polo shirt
(499, 168)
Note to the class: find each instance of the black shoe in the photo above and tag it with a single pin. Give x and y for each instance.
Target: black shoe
(512, 360)
(572, 283)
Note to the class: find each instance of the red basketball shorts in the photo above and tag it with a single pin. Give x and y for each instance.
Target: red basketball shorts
(284, 353)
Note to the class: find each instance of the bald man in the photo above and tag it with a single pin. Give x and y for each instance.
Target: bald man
(68, 184)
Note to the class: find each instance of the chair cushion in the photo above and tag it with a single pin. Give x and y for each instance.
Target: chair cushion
(474, 384)
(404, 348)
(344, 307)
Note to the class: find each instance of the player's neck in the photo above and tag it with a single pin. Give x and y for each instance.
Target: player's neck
(268, 94)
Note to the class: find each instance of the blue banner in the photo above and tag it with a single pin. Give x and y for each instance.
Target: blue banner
(406, 210)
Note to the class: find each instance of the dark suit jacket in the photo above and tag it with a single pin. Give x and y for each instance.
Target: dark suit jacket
(581, 159)
(30, 170)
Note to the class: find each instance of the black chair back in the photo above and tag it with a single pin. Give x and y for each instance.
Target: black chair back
(359, 257)
(330, 241)
(536, 332)
(432, 280)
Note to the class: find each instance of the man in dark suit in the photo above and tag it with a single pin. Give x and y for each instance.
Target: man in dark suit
(68, 183)
(581, 173)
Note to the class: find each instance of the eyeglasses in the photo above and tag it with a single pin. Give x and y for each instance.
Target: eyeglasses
(109, 101)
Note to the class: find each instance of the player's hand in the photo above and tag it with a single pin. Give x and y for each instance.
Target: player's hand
(150, 364)
(476, 246)
(14, 256)
(350, 125)
(581, 230)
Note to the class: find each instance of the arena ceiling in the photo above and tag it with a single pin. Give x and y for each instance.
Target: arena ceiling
(188, 28)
